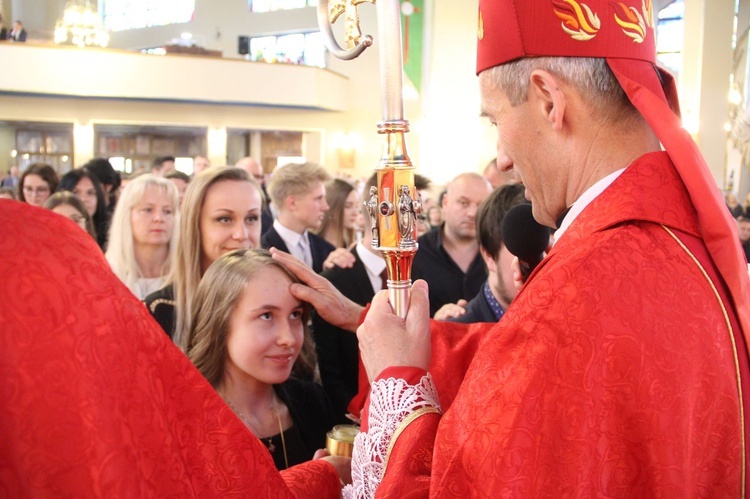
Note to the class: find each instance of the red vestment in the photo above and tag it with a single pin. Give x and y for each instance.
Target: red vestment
(618, 371)
(97, 401)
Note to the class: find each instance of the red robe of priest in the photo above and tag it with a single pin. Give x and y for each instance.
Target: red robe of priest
(97, 401)
(621, 368)
(624, 390)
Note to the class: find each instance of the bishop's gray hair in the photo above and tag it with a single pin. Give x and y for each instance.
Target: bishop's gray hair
(591, 77)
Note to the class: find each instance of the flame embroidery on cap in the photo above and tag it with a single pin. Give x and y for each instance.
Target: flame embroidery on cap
(480, 28)
(577, 19)
(631, 21)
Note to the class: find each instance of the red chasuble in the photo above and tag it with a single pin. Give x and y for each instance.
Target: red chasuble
(618, 371)
(97, 402)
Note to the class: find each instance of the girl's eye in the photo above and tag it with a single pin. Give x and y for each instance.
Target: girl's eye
(266, 316)
(223, 219)
(296, 314)
(251, 219)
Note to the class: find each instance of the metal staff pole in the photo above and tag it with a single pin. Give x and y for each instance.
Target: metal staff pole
(395, 203)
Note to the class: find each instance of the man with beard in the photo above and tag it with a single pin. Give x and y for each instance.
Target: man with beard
(490, 304)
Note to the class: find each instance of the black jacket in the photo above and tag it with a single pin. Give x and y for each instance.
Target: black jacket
(311, 413)
(447, 281)
(161, 304)
(338, 350)
(319, 247)
(477, 310)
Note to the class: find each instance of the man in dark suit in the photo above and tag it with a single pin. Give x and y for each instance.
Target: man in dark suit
(298, 192)
(18, 33)
(493, 299)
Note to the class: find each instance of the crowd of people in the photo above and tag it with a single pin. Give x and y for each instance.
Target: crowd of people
(190, 248)
(618, 367)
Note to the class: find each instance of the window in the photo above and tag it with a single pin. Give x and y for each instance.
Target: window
(295, 48)
(269, 5)
(120, 15)
(50, 143)
(670, 29)
(132, 148)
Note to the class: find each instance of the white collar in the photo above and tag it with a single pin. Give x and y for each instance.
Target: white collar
(584, 200)
(374, 263)
(290, 237)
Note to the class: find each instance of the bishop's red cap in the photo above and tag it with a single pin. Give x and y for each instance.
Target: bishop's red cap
(622, 32)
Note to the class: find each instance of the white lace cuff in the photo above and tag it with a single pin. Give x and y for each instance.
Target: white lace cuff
(391, 402)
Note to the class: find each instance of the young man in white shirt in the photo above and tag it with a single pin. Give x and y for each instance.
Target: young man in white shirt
(298, 192)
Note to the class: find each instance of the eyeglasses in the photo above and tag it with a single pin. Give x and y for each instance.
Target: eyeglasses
(78, 219)
(38, 190)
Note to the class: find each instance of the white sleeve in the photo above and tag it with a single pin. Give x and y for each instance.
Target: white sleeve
(391, 402)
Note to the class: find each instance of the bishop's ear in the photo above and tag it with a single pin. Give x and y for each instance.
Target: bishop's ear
(548, 96)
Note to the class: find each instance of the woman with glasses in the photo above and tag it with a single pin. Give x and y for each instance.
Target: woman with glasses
(37, 183)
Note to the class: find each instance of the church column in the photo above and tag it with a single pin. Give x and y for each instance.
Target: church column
(704, 82)
(217, 145)
(83, 142)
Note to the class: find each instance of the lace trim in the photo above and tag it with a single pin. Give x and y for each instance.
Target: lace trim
(391, 402)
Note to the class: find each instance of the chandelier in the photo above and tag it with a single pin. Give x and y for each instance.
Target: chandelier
(80, 25)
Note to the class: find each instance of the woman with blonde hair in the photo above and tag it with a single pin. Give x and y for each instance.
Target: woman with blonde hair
(340, 222)
(220, 212)
(248, 334)
(143, 234)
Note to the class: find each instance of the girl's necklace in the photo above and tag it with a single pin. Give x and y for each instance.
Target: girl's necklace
(271, 447)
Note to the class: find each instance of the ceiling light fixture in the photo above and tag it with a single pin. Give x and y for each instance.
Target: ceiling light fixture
(80, 25)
